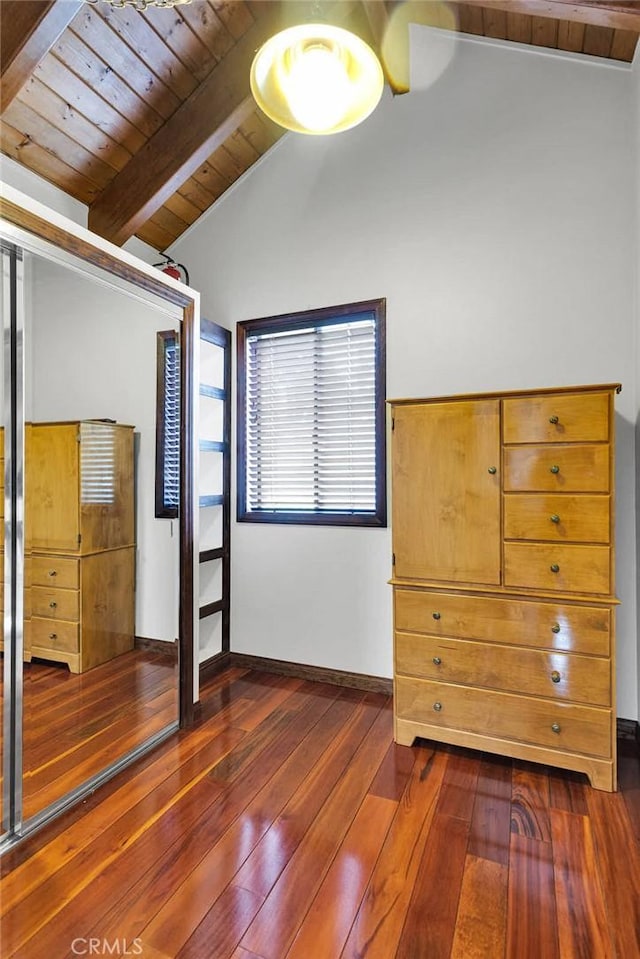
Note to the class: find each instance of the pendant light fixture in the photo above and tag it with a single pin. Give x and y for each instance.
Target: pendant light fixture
(316, 78)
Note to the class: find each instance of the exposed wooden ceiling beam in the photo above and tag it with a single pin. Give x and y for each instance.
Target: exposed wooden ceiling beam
(27, 33)
(197, 128)
(618, 16)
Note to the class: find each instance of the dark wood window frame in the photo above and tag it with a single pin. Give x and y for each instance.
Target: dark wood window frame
(291, 322)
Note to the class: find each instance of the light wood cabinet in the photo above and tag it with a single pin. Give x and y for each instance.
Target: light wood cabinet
(79, 519)
(503, 575)
(445, 467)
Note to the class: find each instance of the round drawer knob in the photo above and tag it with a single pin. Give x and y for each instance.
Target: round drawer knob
(553, 420)
(555, 727)
(554, 469)
(52, 604)
(492, 470)
(554, 518)
(555, 628)
(53, 635)
(437, 707)
(52, 572)
(555, 676)
(436, 615)
(436, 660)
(554, 568)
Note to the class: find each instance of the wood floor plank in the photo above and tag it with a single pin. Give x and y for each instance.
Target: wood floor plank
(28, 876)
(221, 929)
(55, 839)
(179, 881)
(136, 948)
(267, 861)
(378, 924)
(458, 792)
(568, 791)
(289, 813)
(617, 854)
(530, 802)
(326, 926)
(532, 925)
(582, 921)
(393, 775)
(72, 902)
(431, 918)
(482, 913)
(277, 697)
(118, 847)
(178, 898)
(491, 821)
(76, 766)
(274, 928)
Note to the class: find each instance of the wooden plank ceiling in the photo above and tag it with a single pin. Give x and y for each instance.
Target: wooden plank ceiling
(147, 117)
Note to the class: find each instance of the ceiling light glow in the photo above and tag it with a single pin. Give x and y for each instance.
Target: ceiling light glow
(316, 78)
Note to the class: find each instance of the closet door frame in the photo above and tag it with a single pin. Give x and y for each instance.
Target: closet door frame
(13, 424)
(220, 337)
(46, 233)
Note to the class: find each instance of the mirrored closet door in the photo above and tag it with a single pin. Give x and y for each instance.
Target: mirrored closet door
(105, 598)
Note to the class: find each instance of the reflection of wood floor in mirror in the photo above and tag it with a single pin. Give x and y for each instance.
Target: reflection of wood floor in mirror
(287, 823)
(75, 725)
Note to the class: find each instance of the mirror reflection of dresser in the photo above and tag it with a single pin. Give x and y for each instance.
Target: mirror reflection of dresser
(80, 531)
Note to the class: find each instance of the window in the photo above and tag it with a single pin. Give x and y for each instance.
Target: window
(311, 417)
(97, 464)
(168, 425)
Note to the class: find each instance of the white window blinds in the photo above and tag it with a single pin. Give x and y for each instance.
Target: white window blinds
(311, 419)
(171, 471)
(97, 463)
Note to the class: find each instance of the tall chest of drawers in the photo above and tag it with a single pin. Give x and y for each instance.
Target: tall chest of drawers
(503, 575)
(79, 519)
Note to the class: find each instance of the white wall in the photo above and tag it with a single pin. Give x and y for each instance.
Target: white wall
(492, 210)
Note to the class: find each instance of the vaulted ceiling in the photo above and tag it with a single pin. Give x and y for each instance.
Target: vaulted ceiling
(147, 116)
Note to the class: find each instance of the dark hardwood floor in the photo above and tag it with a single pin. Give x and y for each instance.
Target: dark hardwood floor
(76, 724)
(288, 825)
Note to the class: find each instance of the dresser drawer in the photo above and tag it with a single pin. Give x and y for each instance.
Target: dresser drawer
(55, 603)
(558, 469)
(52, 571)
(577, 519)
(579, 569)
(557, 626)
(557, 418)
(556, 725)
(565, 676)
(54, 634)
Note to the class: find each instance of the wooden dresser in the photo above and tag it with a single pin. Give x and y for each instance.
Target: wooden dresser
(503, 575)
(79, 518)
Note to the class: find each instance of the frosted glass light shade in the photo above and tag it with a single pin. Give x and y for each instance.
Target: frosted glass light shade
(316, 78)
